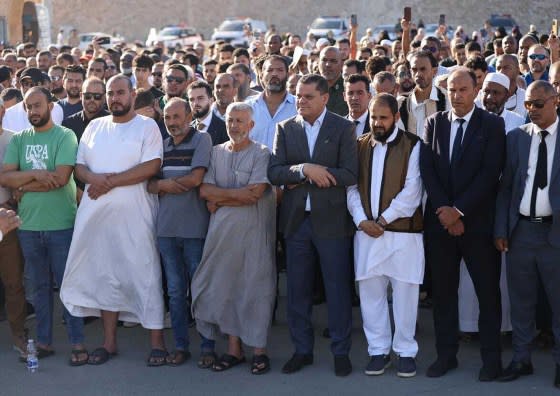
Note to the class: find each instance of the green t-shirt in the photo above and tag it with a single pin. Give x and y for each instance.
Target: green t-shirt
(29, 150)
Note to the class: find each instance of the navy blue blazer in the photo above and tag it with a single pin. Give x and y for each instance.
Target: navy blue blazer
(472, 187)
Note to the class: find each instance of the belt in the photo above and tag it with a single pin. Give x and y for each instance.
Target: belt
(543, 219)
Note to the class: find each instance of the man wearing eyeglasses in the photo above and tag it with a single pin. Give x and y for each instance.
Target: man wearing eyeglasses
(73, 79)
(56, 73)
(527, 224)
(16, 118)
(538, 59)
(177, 79)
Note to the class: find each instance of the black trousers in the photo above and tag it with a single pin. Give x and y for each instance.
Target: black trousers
(443, 254)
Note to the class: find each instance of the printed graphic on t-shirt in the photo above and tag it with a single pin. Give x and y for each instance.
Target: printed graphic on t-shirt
(37, 154)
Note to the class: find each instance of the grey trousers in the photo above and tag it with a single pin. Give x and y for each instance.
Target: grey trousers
(530, 256)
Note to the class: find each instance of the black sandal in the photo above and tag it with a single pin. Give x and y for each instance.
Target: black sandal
(157, 358)
(206, 360)
(177, 358)
(260, 364)
(100, 356)
(76, 353)
(226, 362)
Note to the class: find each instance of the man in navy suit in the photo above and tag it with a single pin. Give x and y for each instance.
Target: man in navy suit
(357, 96)
(461, 162)
(527, 224)
(199, 94)
(315, 157)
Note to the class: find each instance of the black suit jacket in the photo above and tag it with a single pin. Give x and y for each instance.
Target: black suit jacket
(366, 126)
(335, 148)
(217, 130)
(472, 187)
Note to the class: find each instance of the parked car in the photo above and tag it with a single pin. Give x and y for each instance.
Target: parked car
(322, 25)
(85, 39)
(172, 35)
(504, 20)
(430, 29)
(231, 30)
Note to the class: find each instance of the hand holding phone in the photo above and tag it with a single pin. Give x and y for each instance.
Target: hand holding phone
(407, 14)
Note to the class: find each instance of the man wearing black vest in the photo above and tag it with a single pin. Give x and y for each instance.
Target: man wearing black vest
(386, 207)
(461, 162)
(425, 99)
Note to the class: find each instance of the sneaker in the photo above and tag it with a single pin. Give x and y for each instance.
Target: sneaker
(406, 367)
(130, 324)
(378, 364)
(167, 321)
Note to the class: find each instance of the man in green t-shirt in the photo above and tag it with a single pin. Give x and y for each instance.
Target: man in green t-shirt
(38, 166)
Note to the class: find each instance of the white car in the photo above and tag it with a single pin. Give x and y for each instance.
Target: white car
(173, 35)
(231, 30)
(85, 39)
(322, 25)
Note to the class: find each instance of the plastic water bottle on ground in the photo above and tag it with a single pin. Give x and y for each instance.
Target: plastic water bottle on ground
(32, 359)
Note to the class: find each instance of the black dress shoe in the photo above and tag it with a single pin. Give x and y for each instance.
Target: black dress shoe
(441, 366)
(342, 365)
(516, 370)
(296, 363)
(489, 372)
(326, 333)
(557, 376)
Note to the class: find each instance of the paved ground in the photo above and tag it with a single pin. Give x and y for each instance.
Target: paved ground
(127, 374)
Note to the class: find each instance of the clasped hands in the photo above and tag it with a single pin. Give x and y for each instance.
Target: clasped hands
(318, 175)
(450, 219)
(100, 184)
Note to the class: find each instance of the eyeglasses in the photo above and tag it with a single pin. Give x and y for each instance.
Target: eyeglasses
(403, 74)
(112, 67)
(90, 96)
(171, 79)
(55, 78)
(433, 50)
(540, 57)
(538, 103)
(157, 74)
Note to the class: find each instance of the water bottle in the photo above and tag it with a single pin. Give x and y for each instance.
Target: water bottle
(32, 359)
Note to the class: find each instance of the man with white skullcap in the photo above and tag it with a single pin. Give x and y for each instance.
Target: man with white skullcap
(495, 92)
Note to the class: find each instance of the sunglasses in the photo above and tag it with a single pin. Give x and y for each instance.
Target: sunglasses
(171, 79)
(433, 50)
(157, 74)
(538, 103)
(95, 96)
(540, 57)
(404, 75)
(29, 84)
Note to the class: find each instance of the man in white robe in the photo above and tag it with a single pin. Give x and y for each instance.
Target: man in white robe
(386, 207)
(113, 268)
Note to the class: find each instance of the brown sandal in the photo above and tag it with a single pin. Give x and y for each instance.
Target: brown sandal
(177, 358)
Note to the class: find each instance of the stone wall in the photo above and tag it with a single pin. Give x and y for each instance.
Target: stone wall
(133, 19)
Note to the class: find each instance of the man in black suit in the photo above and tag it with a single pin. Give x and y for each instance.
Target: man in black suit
(528, 224)
(315, 158)
(461, 162)
(199, 94)
(357, 96)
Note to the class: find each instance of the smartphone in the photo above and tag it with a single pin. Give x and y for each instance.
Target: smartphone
(442, 19)
(103, 40)
(555, 27)
(353, 19)
(407, 13)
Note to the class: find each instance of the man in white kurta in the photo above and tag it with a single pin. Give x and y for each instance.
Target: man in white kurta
(382, 256)
(113, 265)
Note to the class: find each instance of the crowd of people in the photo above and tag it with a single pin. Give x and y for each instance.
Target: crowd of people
(154, 182)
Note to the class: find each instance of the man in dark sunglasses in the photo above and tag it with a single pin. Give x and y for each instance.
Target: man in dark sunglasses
(527, 226)
(175, 82)
(539, 60)
(433, 45)
(157, 75)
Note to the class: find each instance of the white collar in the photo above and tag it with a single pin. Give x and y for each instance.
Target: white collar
(551, 129)
(466, 117)
(319, 119)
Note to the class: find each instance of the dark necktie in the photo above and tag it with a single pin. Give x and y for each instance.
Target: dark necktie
(357, 122)
(457, 143)
(540, 180)
(200, 125)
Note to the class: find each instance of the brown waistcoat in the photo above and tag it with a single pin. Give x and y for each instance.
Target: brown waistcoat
(395, 167)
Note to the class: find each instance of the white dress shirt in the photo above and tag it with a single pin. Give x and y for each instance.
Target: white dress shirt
(360, 126)
(396, 254)
(516, 104)
(312, 132)
(206, 121)
(419, 109)
(455, 126)
(542, 207)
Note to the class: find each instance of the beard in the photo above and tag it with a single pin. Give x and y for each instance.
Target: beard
(42, 121)
(125, 109)
(73, 93)
(277, 86)
(199, 114)
(407, 86)
(381, 134)
(56, 91)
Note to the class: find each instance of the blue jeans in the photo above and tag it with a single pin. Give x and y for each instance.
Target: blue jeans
(45, 254)
(181, 257)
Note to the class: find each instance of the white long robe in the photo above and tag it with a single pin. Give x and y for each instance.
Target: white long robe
(399, 255)
(113, 263)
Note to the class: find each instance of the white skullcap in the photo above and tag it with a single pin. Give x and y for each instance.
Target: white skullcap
(386, 42)
(498, 78)
(321, 42)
